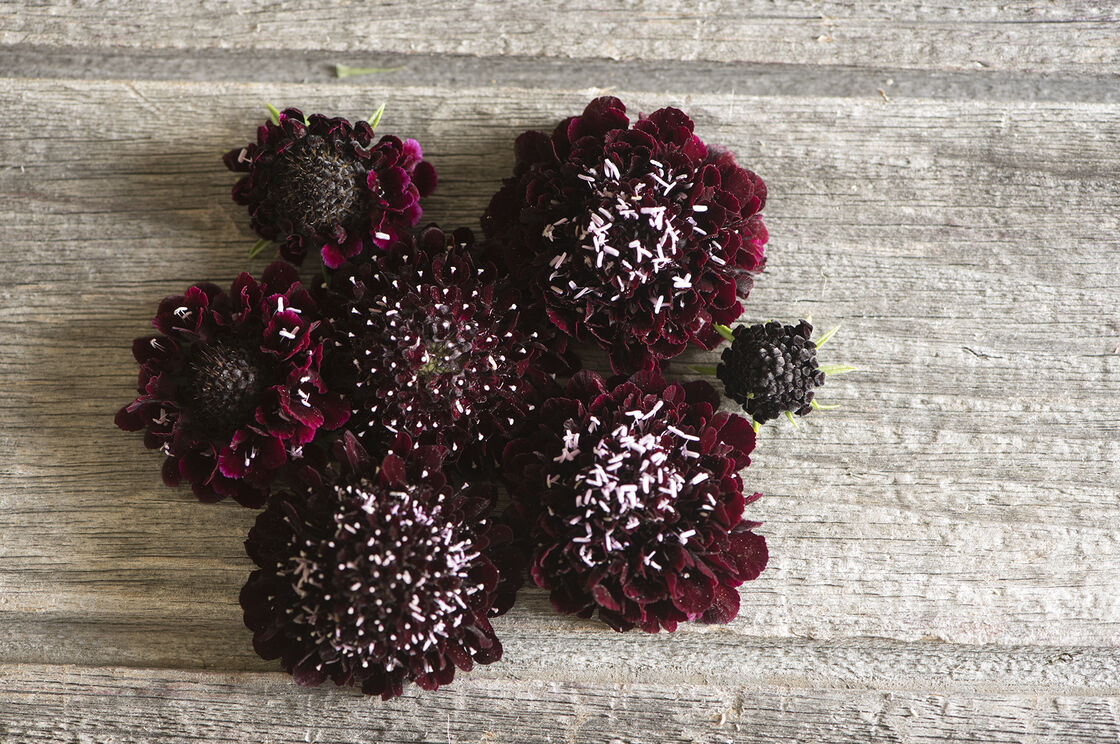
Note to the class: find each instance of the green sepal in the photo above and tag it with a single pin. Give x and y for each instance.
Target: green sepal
(791, 420)
(273, 114)
(821, 407)
(836, 369)
(827, 335)
(376, 118)
(259, 246)
(725, 332)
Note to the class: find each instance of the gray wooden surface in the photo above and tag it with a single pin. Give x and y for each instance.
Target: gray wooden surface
(945, 183)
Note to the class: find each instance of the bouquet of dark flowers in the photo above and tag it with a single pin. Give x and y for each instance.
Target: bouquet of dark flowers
(377, 413)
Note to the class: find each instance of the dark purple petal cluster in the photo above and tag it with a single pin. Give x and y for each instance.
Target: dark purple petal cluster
(770, 369)
(376, 581)
(375, 414)
(325, 185)
(631, 502)
(431, 343)
(638, 238)
(232, 389)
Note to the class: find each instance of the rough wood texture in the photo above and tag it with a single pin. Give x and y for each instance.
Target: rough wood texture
(945, 562)
(65, 704)
(1021, 35)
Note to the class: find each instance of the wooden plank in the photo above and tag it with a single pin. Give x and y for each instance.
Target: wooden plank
(664, 78)
(67, 704)
(1019, 35)
(586, 652)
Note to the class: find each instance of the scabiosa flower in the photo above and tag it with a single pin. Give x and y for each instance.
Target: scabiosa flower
(434, 347)
(324, 184)
(640, 239)
(377, 582)
(771, 369)
(630, 497)
(232, 390)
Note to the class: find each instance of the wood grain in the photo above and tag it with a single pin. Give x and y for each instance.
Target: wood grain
(944, 554)
(66, 704)
(1020, 35)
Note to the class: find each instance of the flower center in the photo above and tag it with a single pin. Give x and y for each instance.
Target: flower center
(628, 237)
(393, 577)
(224, 382)
(314, 186)
(447, 344)
(633, 481)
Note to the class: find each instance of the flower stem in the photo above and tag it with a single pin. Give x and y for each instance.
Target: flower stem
(345, 71)
(259, 246)
(703, 369)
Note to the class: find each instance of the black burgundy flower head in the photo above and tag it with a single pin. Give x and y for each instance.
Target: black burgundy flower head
(629, 497)
(378, 580)
(770, 369)
(639, 239)
(431, 343)
(231, 390)
(324, 184)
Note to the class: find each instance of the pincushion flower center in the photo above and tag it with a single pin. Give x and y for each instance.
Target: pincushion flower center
(632, 482)
(628, 237)
(225, 382)
(394, 576)
(448, 343)
(315, 185)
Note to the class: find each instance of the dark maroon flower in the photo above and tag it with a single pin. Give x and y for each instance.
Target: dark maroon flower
(630, 499)
(434, 348)
(232, 390)
(323, 184)
(640, 239)
(770, 369)
(376, 582)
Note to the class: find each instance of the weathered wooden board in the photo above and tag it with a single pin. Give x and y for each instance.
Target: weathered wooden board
(944, 555)
(76, 704)
(1021, 35)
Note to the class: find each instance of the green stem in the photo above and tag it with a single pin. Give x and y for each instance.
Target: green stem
(345, 71)
(704, 369)
(259, 246)
(725, 332)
